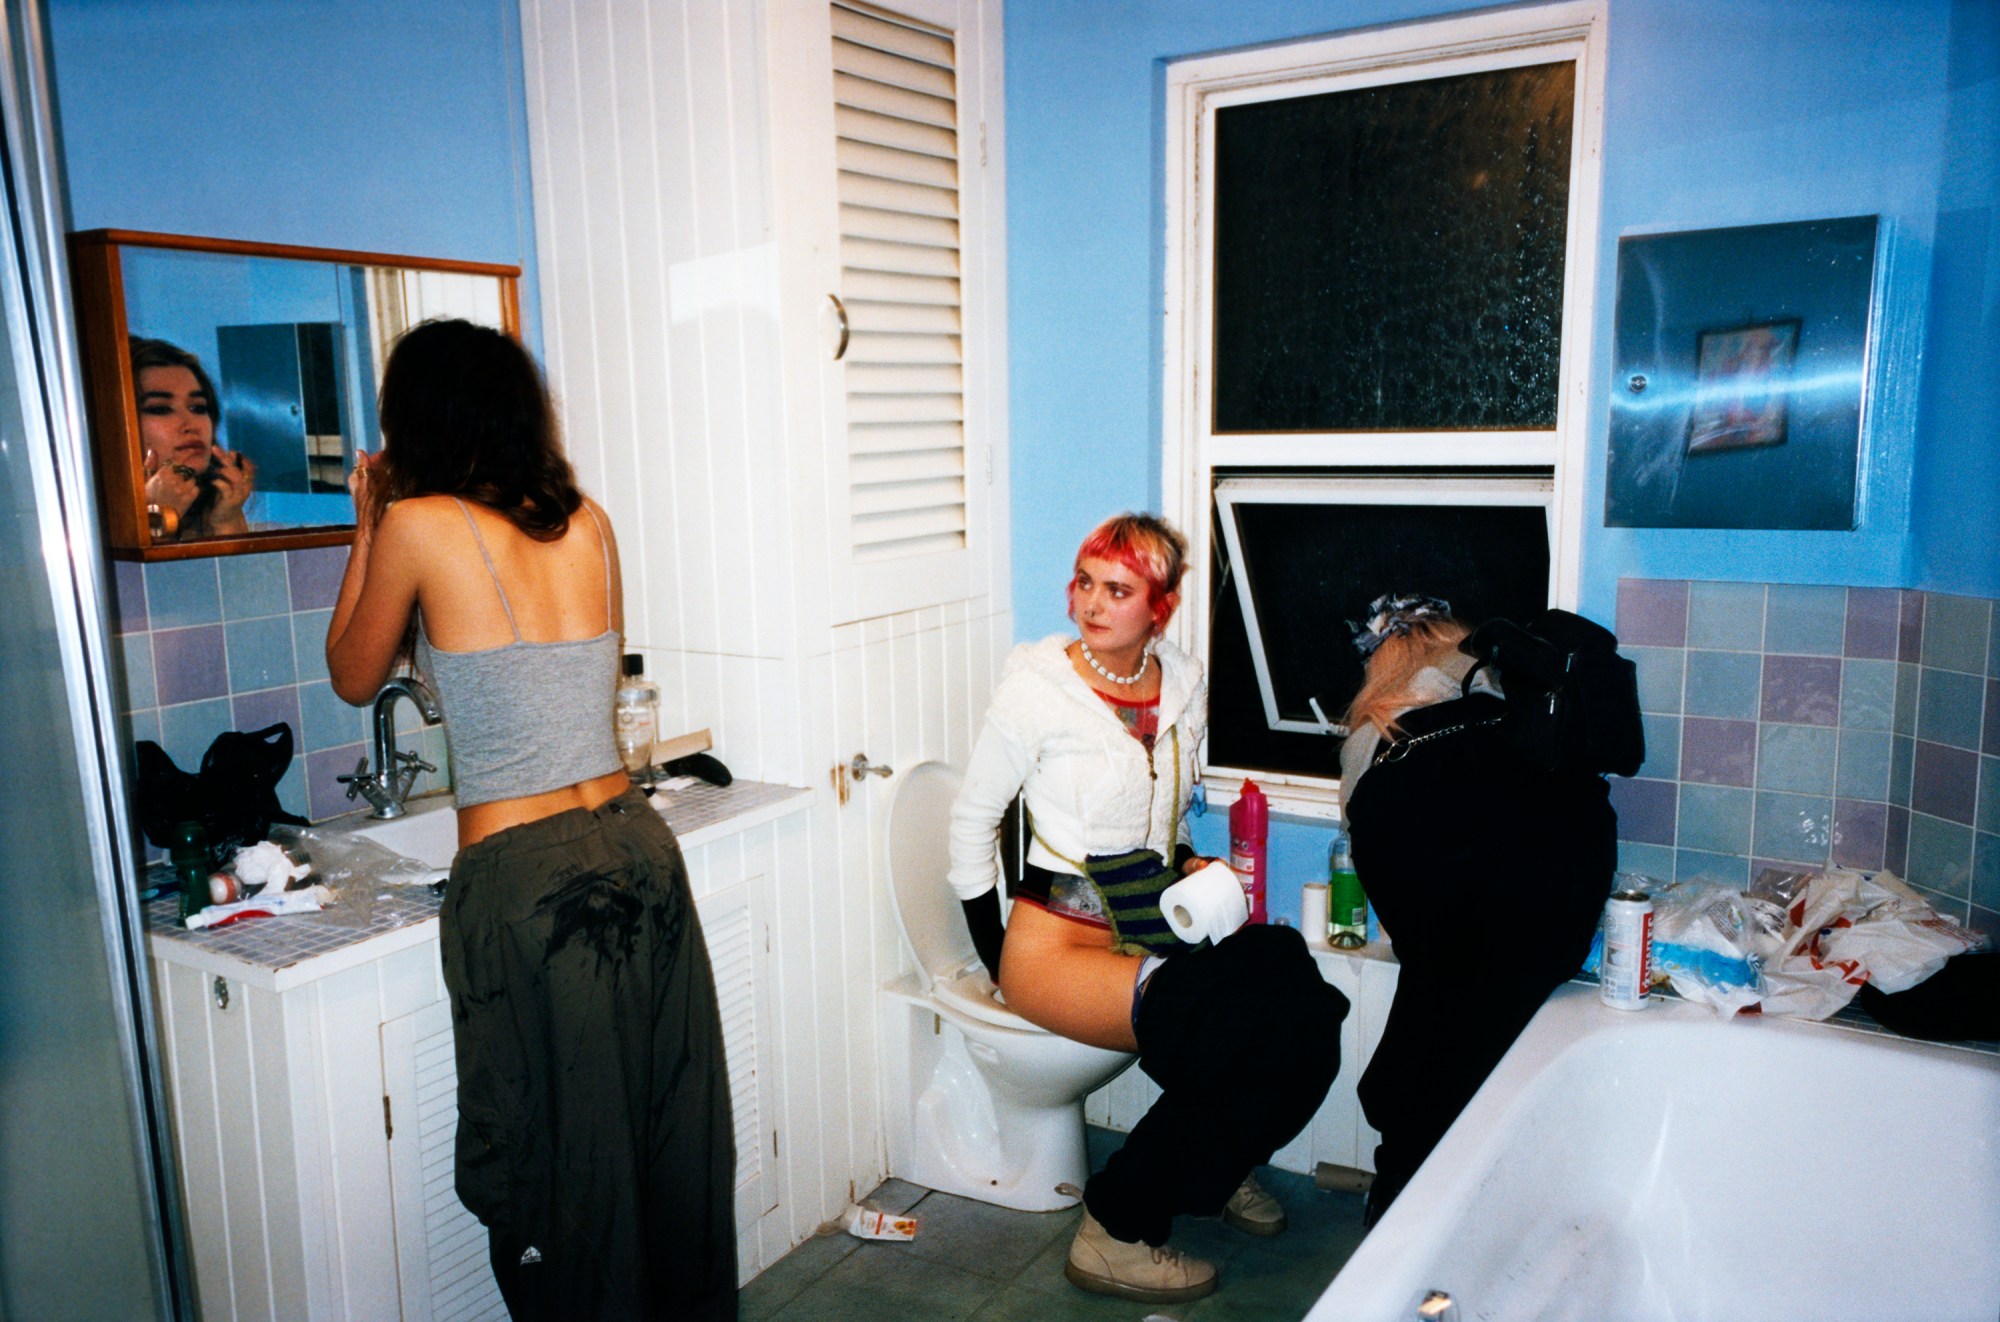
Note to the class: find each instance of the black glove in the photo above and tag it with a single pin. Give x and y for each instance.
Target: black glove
(982, 915)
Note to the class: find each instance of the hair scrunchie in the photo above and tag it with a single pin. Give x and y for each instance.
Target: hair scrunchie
(1393, 613)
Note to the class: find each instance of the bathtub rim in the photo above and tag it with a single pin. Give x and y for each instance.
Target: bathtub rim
(1370, 1284)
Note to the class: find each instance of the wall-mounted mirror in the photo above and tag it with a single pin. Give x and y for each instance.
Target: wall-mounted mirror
(231, 384)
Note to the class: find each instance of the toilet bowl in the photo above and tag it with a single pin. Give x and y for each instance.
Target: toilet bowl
(977, 1101)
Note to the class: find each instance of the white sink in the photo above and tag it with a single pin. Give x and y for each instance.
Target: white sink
(428, 833)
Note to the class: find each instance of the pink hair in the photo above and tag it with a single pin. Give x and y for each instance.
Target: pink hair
(1150, 547)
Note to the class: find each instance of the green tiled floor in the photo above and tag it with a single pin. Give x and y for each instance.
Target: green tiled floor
(975, 1261)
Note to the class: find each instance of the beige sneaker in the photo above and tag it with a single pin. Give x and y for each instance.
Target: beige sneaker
(1252, 1210)
(1104, 1265)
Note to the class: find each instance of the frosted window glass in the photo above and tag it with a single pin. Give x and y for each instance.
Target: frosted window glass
(1392, 258)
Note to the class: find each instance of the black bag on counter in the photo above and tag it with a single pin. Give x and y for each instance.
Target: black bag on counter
(234, 796)
(1572, 701)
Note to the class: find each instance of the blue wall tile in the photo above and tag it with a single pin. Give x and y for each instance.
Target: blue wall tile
(1867, 694)
(1716, 819)
(1660, 676)
(309, 644)
(1988, 818)
(1655, 861)
(260, 653)
(1863, 771)
(254, 585)
(182, 592)
(1949, 707)
(1798, 758)
(1805, 621)
(1956, 630)
(1986, 870)
(1940, 855)
(328, 722)
(1663, 748)
(1697, 865)
(136, 655)
(1902, 764)
(1728, 684)
(1909, 682)
(1729, 616)
(187, 730)
(1795, 827)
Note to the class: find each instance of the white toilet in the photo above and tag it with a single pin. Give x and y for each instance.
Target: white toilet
(977, 1101)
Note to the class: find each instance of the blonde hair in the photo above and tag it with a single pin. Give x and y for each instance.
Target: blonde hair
(1392, 671)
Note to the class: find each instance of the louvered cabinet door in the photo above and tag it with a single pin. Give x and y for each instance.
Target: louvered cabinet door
(885, 146)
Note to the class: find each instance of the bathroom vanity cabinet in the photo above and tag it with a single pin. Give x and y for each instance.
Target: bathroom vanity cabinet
(312, 1090)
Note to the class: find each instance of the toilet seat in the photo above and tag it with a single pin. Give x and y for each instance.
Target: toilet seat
(972, 993)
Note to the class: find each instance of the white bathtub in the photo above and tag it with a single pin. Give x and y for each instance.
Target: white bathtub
(1667, 1164)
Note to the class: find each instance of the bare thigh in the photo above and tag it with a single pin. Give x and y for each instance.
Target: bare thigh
(1063, 976)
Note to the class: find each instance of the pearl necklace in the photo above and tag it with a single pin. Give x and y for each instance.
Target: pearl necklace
(1145, 659)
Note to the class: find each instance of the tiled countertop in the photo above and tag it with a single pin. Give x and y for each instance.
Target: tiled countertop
(279, 953)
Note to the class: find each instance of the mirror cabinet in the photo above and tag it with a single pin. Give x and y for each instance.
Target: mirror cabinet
(230, 385)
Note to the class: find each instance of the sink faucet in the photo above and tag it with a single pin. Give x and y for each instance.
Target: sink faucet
(389, 784)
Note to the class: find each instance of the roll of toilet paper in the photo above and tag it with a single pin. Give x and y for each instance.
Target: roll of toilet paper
(1206, 906)
(1312, 913)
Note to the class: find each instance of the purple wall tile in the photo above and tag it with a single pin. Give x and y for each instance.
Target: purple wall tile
(1896, 841)
(1718, 752)
(128, 597)
(254, 711)
(315, 575)
(1860, 833)
(1945, 781)
(188, 664)
(1652, 612)
(325, 796)
(1646, 809)
(1910, 627)
(1802, 690)
(1873, 620)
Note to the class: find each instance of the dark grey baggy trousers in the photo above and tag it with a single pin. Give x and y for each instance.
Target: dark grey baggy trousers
(594, 1134)
(1244, 1040)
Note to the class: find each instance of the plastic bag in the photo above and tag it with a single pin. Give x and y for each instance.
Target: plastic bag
(356, 868)
(1706, 942)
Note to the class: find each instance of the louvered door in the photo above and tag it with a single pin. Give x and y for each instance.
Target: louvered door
(888, 215)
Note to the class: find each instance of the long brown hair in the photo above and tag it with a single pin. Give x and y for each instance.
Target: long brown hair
(465, 413)
(1393, 669)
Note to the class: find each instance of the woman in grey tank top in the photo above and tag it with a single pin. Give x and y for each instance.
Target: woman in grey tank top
(594, 1135)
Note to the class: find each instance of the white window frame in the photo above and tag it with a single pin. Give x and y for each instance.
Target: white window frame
(1191, 451)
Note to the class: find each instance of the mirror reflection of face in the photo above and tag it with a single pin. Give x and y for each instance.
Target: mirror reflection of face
(176, 417)
(1111, 604)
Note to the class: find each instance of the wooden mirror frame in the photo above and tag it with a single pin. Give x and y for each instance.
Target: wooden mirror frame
(97, 280)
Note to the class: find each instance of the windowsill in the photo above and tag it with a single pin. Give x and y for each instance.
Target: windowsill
(1300, 797)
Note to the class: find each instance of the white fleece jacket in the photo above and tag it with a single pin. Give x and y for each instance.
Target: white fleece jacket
(1084, 777)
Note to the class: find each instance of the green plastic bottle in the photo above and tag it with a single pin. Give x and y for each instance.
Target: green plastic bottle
(1346, 902)
(190, 858)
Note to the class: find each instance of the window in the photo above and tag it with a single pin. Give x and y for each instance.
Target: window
(1381, 269)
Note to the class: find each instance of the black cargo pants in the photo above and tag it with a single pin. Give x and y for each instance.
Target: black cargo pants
(594, 1134)
(1244, 1040)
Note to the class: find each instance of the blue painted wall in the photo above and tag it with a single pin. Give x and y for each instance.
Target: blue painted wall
(367, 124)
(1717, 112)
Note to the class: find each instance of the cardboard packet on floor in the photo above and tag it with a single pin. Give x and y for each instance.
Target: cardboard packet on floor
(867, 1223)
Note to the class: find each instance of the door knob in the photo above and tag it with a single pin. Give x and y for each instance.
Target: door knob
(861, 766)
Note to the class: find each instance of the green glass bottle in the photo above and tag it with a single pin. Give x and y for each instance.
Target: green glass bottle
(190, 858)
(1346, 902)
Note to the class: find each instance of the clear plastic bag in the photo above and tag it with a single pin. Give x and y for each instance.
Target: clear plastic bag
(1706, 942)
(356, 869)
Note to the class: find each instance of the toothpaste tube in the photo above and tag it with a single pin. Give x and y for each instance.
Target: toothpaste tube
(867, 1223)
(309, 900)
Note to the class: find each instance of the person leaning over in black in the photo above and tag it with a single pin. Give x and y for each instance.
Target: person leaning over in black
(1487, 871)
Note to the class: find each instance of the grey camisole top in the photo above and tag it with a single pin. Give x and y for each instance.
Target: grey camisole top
(525, 718)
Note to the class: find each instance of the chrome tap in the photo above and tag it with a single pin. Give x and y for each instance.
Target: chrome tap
(389, 784)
